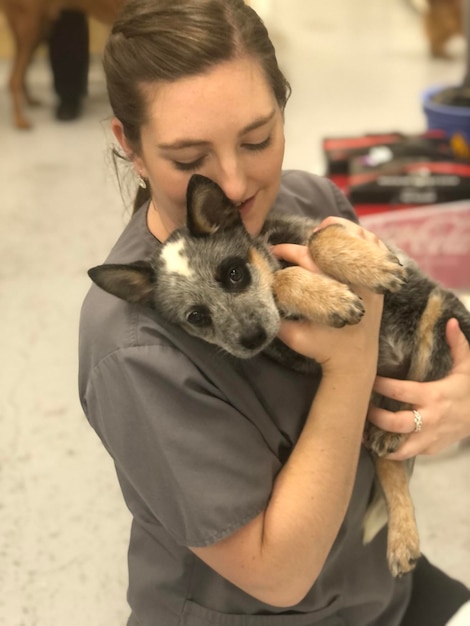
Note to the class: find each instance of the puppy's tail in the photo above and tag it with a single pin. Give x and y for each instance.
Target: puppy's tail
(375, 517)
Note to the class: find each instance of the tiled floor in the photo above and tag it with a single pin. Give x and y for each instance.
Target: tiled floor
(354, 67)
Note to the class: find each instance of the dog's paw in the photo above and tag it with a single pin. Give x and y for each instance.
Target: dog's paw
(388, 275)
(348, 309)
(381, 442)
(356, 261)
(319, 298)
(403, 554)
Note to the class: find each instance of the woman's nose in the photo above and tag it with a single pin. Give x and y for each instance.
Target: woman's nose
(233, 181)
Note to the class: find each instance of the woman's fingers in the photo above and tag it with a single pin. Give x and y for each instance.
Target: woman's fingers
(296, 254)
(399, 422)
(405, 391)
(458, 343)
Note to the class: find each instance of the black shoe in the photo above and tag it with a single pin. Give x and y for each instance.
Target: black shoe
(68, 110)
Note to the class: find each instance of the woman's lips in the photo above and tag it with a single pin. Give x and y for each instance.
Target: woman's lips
(244, 207)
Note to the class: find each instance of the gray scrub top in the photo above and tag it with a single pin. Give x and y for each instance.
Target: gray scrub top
(197, 438)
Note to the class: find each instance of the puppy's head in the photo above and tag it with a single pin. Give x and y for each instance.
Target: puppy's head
(210, 277)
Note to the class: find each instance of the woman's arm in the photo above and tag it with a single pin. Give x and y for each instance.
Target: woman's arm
(444, 405)
(278, 556)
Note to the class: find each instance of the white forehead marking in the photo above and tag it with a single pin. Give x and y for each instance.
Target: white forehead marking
(175, 259)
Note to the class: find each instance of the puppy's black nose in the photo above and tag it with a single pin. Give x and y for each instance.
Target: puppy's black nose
(254, 339)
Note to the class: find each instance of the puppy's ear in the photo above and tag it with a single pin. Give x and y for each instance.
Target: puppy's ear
(133, 282)
(208, 208)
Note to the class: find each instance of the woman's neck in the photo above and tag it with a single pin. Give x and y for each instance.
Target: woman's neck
(160, 226)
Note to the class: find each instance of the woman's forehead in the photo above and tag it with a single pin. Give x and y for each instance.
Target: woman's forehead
(232, 95)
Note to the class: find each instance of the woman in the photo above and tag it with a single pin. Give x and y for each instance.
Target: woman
(246, 481)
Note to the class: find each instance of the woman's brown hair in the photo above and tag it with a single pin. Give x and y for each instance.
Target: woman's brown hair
(164, 40)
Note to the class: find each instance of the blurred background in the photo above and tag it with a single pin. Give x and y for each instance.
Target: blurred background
(355, 68)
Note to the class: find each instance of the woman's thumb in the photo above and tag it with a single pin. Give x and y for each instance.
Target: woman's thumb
(457, 341)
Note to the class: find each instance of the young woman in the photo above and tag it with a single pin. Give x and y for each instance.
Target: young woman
(247, 481)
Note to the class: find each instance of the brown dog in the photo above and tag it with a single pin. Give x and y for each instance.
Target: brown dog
(442, 21)
(30, 22)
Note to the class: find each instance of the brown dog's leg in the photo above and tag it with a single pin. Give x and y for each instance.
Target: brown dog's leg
(25, 25)
(403, 539)
(443, 20)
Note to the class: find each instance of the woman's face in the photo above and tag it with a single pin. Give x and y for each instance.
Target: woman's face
(225, 124)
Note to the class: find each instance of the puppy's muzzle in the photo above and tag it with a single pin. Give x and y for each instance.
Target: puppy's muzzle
(254, 339)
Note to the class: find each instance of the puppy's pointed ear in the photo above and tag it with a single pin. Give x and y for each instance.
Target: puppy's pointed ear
(208, 208)
(133, 282)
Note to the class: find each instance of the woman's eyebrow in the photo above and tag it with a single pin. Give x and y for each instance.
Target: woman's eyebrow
(261, 121)
(182, 143)
(196, 143)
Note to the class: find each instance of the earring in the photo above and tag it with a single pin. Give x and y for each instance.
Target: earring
(142, 181)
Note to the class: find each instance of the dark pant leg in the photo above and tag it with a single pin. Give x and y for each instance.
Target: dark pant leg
(435, 597)
(69, 55)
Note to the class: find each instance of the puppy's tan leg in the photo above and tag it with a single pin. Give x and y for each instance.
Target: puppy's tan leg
(355, 261)
(319, 298)
(381, 442)
(403, 539)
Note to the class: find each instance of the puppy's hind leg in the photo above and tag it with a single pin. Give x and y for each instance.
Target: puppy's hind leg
(403, 540)
(300, 293)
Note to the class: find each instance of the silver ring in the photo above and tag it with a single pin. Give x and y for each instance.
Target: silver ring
(418, 421)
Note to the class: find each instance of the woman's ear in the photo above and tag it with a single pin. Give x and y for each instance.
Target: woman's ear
(118, 132)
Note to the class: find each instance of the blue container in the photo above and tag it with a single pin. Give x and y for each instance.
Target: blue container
(454, 120)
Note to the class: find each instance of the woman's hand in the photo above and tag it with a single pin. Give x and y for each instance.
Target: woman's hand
(444, 405)
(338, 350)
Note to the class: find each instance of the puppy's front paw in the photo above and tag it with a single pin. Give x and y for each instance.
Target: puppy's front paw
(347, 309)
(356, 261)
(388, 274)
(381, 442)
(300, 293)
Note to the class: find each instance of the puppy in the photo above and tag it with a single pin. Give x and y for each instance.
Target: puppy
(218, 283)
(443, 20)
(30, 22)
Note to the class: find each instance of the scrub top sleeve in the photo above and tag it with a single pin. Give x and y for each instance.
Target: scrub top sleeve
(187, 459)
(344, 206)
(312, 195)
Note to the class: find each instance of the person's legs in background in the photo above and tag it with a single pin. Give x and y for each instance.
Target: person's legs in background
(70, 58)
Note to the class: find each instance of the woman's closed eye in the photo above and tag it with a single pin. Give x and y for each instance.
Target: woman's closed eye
(255, 147)
(192, 166)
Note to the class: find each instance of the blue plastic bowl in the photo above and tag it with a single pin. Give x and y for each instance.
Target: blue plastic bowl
(454, 120)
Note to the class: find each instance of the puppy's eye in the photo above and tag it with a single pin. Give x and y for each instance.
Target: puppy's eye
(234, 274)
(199, 316)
